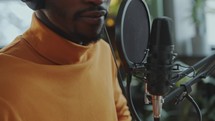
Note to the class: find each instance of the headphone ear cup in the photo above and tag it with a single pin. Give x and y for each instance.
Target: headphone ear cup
(35, 4)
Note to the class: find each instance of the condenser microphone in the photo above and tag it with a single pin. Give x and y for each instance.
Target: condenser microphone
(159, 62)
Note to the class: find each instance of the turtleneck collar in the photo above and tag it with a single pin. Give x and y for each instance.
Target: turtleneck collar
(54, 47)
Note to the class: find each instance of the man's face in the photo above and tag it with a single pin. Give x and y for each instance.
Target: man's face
(83, 20)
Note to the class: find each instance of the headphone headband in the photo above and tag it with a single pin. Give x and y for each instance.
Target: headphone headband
(35, 4)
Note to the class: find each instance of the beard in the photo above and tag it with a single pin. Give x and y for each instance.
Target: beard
(70, 26)
(83, 31)
(84, 34)
(85, 40)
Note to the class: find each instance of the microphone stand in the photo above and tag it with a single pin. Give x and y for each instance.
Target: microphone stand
(183, 91)
(204, 61)
(202, 74)
(185, 88)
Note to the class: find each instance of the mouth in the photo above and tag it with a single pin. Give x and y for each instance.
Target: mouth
(94, 16)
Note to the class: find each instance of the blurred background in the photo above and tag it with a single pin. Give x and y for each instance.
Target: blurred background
(193, 25)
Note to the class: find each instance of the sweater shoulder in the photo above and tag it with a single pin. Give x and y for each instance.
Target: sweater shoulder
(10, 48)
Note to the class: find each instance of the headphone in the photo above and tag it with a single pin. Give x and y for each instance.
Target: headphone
(35, 4)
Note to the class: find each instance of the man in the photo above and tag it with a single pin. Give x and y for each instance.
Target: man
(60, 69)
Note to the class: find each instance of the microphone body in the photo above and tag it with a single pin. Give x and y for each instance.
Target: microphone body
(159, 62)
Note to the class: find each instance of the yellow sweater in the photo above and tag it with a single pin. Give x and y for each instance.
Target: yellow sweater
(44, 77)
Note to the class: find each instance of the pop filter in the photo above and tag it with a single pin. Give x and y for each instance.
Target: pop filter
(132, 32)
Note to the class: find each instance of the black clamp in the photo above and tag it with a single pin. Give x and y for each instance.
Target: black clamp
(182, 96)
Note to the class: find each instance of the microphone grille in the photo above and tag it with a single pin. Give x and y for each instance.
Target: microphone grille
(161, 33)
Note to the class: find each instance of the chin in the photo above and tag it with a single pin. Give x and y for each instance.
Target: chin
(92, 39)
(86, 39)
(87, 34)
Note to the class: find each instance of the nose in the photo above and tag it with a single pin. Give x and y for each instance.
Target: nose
(95, 2)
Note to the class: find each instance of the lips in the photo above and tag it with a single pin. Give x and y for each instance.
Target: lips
(93, 17)
(93, 14)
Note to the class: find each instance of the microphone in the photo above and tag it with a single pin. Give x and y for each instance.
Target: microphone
(159, 62)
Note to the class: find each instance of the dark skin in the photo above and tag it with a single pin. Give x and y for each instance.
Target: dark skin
(79, 21)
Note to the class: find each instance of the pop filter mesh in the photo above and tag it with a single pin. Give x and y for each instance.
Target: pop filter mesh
(134, 30)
